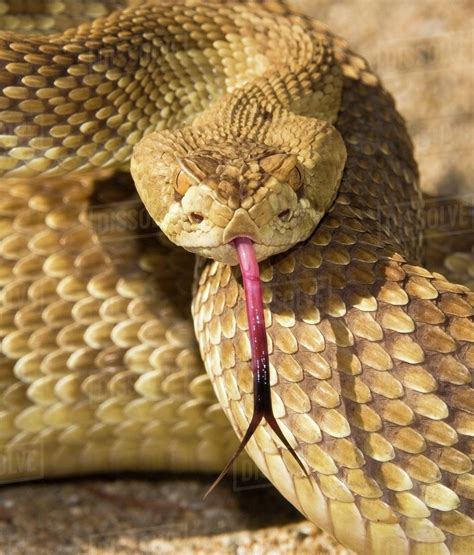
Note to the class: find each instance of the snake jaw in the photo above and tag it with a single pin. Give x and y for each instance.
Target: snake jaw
(262, 409)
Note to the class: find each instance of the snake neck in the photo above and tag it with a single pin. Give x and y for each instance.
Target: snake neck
(389, 215)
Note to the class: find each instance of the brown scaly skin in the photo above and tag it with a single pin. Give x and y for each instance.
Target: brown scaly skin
(99, 368)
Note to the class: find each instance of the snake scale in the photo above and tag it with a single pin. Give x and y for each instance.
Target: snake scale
(248, 114)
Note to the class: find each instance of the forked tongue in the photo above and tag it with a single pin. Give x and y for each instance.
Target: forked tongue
(262, 400)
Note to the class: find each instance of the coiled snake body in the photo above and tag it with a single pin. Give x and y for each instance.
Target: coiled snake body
(250, 116)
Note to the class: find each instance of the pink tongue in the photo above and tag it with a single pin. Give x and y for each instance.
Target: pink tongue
(254, 303)
(259, 348)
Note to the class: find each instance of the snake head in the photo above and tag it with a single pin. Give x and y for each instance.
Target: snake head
(204, 192)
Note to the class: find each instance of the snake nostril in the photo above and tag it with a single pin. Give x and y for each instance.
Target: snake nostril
(285, 216)
(196, 217)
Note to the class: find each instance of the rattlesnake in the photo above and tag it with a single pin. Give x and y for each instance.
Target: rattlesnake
(235, 111)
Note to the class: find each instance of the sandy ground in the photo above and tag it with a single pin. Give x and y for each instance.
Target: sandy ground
(424, 52)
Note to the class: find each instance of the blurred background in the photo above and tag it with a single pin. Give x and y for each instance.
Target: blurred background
(424, 52)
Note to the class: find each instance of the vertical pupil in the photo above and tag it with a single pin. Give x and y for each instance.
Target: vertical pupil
(285, 215)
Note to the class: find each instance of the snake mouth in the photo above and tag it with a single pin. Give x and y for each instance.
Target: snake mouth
(262, 409)
(227, 252)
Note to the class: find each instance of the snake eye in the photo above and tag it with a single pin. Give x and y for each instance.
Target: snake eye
(196, 218)
(285, 216)
(183, 182)
(284, 168)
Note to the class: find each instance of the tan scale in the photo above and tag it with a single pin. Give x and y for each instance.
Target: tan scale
(250, 117)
